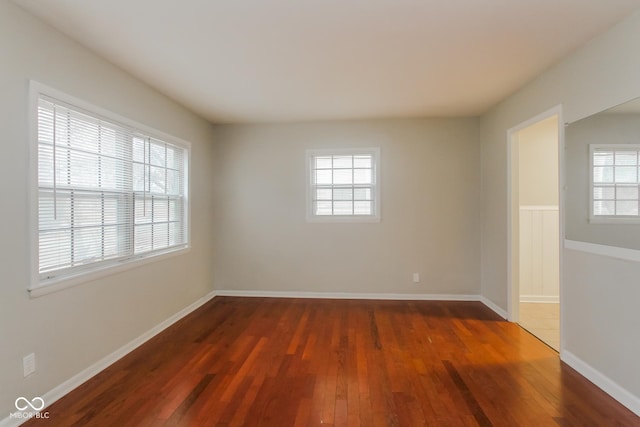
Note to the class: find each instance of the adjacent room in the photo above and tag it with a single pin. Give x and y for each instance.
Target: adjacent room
(336, 213)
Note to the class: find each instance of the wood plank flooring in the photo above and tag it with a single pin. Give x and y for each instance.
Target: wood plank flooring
(298, 362)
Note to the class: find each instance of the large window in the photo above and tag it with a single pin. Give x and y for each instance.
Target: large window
(615, 183)
(108, 192)
(343, 184)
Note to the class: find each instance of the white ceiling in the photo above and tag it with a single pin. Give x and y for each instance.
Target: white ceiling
(290, 60)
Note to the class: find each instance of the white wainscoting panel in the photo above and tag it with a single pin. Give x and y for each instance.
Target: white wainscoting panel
(539, 254)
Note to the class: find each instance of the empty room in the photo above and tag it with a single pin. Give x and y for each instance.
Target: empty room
(320, 213)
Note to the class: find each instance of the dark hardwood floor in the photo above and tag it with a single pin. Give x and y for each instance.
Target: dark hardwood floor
(299, 362)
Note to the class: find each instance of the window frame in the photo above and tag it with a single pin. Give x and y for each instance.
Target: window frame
(73, 276)
(608, 219)
(376, 202)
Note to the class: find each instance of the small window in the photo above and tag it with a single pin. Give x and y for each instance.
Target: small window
(108, 192)
(615, 183)
(343, 185)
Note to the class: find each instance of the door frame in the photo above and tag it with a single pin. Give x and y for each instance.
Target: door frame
(513, 224)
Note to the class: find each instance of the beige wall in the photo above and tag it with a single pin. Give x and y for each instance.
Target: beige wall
(429, 199)
(597, 129)
(538, 166)
(600, 75)
(74, 328)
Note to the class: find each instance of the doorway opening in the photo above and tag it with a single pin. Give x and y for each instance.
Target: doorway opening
(535, 224)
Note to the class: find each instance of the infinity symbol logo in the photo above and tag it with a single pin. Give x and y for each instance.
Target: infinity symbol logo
(33, 403)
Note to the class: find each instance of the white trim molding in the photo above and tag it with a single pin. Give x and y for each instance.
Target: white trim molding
(57, 392)
(605, 383)
(493, 306)
(541, 299)
(365, 296)
(347, 295)
(539, 207)
(616, 252)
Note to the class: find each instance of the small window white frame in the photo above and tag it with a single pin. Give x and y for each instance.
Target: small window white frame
(376, 202)
(607, 219)
(37, 286)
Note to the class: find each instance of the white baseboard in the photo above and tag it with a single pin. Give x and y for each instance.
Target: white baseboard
(544, 299)
(609, 386)
(493, 306)
(83, 376)
(380, 296)
(349, 295)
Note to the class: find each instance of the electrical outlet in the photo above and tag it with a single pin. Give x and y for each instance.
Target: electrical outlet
(416, 277)
(29, 364)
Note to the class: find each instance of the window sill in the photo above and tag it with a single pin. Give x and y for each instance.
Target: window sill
(44, 287)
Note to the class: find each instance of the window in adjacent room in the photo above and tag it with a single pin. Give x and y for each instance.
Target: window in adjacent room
(109, 191)
(343, 185)
(615, 183)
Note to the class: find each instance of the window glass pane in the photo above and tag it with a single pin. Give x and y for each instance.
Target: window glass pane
(626, 174)
(342, 176)
(83, 170)
(160, 236)
(362, 176)
(143, 238)
(173, 182)
(108, 173)
(342, 208)
(160, 209)
(601, 192)
(45, 166)
(342, 162)
(107, 144)
(143, 210)
(627, 192)
(323, 177)
(362, 194)
(175, 210)
(82, 131)
(604, 208)
(323, 162)
(157, 155)
(111, 247)
(627, 207)
(323, 208)
(362, 208)
(158, 180)
(111, 207)
(343, 194)
(54, 215)
(324, 194)
(87, 210)
(51, 256)
(603, 174)
(87, 245)
(362, 162)
(175, 234)
(139, 150)
(140, 177)
(603, 158)
(627, 158)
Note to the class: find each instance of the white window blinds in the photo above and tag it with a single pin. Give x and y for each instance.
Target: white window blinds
(106, 191)
(615, 181)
